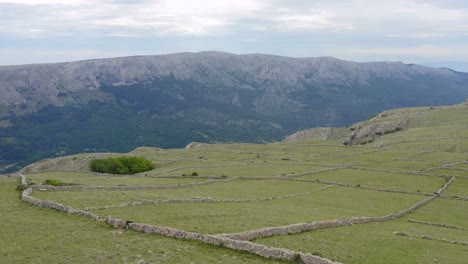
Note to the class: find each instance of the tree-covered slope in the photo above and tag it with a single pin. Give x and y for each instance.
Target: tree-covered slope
(171, 100)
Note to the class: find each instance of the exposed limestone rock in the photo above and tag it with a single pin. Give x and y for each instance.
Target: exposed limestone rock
(315, 133)
(367, 132)
(358, 133)
(193, 145)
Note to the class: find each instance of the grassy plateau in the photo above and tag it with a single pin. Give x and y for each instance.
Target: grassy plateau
(223, 189)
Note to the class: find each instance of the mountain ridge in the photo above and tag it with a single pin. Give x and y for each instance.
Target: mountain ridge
(171, 100)
(137, 71)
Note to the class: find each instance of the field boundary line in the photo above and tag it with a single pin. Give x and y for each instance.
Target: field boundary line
(253, 248)
(126, 188)
(203, 200)
(316, 225)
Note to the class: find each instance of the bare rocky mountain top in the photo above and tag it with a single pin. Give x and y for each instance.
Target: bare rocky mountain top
(52, 82)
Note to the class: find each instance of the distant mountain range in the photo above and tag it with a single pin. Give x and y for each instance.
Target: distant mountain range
(167, 101)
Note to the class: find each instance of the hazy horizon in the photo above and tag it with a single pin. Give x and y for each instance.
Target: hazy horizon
(426, 32)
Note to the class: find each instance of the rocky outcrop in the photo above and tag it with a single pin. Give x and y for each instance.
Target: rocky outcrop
(193, 145)
(359, 133)
(314, 133)
(367, 132)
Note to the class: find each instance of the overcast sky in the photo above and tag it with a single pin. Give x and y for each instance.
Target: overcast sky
(431, 32)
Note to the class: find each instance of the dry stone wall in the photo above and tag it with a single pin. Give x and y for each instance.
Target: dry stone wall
(302, 227)
(258, 249)
(202, 200)
(124, 188)
(23, 179)
(26, 197)
(239, 241)
(427, 237)
(454, 197)
(435, 224)
(360, 186)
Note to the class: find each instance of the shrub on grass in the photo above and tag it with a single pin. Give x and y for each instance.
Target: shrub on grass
(54, 182)
(121, 165)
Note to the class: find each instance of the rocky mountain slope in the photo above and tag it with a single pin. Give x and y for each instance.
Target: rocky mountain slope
(444, 122)
(170, 100)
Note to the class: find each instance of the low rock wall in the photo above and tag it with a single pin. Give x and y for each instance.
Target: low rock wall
(203, 200)
(302, 227)
(258, 249)
(26, 197)
(123, 188)
(239, 241)
(23, 179)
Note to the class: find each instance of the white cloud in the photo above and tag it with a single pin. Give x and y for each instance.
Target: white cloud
(415, 36)
(211, 17)
(354, 28)
(196, 17)
(312, 20)
(46, 2)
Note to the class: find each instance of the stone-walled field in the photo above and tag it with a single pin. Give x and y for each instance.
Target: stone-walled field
(306, 202)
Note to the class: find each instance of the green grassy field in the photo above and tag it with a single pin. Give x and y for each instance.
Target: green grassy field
(459, 188)
(259, 186)
(237, 189)
(394, 181)
(38, 235)
(333, 203)
(376, 243)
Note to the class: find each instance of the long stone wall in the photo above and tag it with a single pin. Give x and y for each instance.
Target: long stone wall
(302, 227)
(427, 237)
(454, 197)
(258, 249)
(435, 224)
(316, 171)
(238, 241)
(203, 200)
(124, 188)
(26, 197)
(359, 186)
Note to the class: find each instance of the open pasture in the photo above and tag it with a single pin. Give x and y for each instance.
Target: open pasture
(213, 218)
(400, 199)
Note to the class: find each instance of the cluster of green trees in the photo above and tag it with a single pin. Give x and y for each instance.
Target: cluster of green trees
(121, 165)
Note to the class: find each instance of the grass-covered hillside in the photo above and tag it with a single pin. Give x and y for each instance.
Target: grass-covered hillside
(400, 197)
